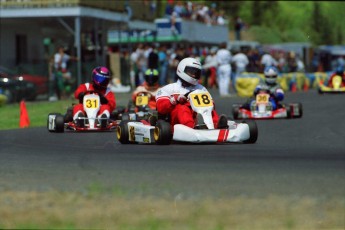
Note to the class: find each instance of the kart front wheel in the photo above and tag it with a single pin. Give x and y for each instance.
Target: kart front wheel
(60, 123)
(162, 133)
(253, 131)
(122, 133)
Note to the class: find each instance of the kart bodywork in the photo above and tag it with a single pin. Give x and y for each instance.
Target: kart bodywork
(140, 109)
(58, 123)
(261, 108)
(337, 86)
(162, 133)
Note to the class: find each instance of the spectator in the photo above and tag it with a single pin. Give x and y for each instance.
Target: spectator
(152, 59)
(238, 28)
(210, 67)
(291, 61)
(224, 69)
(62, 76)
(267, 60)
(241, 61)
(163, 65)
(254, 60)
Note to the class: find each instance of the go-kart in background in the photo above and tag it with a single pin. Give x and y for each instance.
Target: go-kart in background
(246, 82)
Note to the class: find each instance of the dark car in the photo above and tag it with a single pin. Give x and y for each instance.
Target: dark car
(24, 86)
(16, 88)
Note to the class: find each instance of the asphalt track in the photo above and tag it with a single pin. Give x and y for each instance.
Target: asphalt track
(292, 157)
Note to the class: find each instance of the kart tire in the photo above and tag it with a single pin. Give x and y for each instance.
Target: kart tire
(162, 133)
(288, 111)
(122, 132)
(320, 91)
(300, 109)
(56, 114)
(253, 131)
(60, 123)
(125, 117)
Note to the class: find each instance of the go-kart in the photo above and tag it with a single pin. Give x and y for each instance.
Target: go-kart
(337, 86)
(91, 103)
(261, 108)
(140, 109)
(159, 131)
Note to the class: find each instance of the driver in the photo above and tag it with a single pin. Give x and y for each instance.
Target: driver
(149, 87)
(171, 99)
(271, 85)
(338, 72)
(99, 83)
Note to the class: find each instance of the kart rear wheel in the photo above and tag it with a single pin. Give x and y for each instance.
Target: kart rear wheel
(122, 133)
(300, 109)
(253, 131)
(162, 133)
(60, 123)
(288, 111)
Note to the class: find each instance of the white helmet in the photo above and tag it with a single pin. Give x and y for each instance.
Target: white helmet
(189, 70)
(271, 74)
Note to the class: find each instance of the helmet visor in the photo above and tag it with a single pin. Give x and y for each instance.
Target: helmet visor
(100, 79)
(193, 72)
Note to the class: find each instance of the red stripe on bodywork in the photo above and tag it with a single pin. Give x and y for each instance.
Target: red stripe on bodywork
(223, 134)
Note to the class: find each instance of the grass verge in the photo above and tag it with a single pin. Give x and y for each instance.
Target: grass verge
(71, 210)
(37, 111)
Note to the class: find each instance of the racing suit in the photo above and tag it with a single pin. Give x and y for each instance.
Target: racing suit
(180, 113)
(151, 90)
(108, 102)
(276, 93)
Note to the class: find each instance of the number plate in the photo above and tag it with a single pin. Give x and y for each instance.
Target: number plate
(200, 99)
(91, 103)
(141, 100)
(262, 98)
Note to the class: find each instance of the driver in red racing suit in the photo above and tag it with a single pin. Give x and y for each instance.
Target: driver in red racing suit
(150, 86)
(171, 99)
(100, 79)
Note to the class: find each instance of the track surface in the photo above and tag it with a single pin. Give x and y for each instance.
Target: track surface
(294, 157)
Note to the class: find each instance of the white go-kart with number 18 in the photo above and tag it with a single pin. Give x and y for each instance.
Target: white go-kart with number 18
(161, 132)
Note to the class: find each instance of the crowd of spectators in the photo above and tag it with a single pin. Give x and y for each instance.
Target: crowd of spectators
(166, 58)
(197, 11)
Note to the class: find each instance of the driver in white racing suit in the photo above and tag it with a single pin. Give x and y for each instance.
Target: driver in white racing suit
(171, 99)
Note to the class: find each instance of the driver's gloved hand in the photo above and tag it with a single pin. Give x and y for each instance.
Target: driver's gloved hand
(181, 99)
(81, 96)
(103, 99)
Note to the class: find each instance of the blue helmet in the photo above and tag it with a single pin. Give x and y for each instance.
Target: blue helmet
(271, 74)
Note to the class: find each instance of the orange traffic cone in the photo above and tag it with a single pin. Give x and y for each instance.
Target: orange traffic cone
(305, 86)
(24, 120)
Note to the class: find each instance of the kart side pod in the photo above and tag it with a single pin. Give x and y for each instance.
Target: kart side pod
(136, 132)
